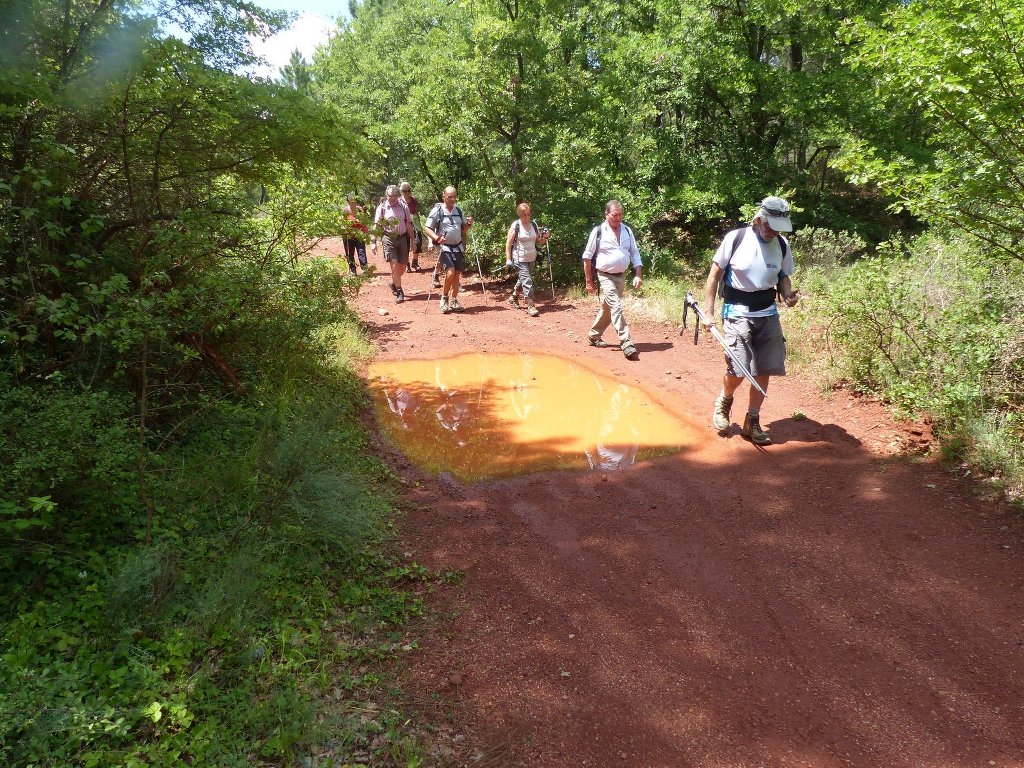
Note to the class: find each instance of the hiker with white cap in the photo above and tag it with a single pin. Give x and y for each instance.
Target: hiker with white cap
(750, 269)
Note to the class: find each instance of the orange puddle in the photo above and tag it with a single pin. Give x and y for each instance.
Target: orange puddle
(486, 416)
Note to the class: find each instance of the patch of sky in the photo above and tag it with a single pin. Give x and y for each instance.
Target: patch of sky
(312, 22)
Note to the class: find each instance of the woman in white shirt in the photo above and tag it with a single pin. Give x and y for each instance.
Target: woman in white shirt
(521, 252)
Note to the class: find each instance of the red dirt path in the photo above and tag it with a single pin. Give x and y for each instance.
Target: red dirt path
(823, 602)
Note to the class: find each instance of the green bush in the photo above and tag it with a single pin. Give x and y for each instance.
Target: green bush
(188, 514)
(934, 328)
(825, 249)
(214, 644)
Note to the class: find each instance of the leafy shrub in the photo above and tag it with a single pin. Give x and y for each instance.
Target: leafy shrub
(210, 646)
(825, 249)
(180, 520)
(53, 438)
(934, 329)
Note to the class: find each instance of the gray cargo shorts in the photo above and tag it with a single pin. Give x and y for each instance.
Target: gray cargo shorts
(396, 248)
(758, 342)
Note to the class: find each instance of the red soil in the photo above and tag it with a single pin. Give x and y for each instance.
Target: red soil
(831, 600)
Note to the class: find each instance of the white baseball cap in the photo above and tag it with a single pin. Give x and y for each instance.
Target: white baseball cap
(774, 211)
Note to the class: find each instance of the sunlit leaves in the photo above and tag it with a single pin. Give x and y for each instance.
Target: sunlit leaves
(960, 63)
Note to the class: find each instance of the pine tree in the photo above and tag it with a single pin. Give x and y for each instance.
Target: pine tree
(296, 72)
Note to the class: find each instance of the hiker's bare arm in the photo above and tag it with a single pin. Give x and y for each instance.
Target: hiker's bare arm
(588, 270)
(789, 296)
(710, 291)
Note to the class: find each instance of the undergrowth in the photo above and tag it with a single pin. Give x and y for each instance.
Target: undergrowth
(931, 326)
(253, 629)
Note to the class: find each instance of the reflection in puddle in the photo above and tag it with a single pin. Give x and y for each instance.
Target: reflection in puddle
(484, 416)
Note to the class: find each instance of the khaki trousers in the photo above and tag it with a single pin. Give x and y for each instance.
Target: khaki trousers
(613, 288)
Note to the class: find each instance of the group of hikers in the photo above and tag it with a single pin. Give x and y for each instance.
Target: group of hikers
(750, 271)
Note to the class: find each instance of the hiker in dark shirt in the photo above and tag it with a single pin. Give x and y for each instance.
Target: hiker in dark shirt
(416, 237)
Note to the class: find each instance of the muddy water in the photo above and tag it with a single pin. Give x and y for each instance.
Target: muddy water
(486, 416)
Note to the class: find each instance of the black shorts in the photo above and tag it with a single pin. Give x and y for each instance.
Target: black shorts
(453, 259)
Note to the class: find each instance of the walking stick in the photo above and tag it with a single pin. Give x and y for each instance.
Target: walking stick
(433, 279)
(430, 290)
(479, 269)
(691, 303)
(551, 276)
(437, 263)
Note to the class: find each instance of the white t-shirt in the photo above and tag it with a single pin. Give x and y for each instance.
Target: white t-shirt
(524, 246)
(611, 254)
(757, 265)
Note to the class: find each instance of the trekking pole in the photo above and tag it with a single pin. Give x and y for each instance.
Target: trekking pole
(430, 291)
(691, 303)
(433, 279)
(551, 276)
(433, 276)
(479, 269)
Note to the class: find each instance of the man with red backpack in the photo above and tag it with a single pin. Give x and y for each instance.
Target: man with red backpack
(416, 241)
(355, 238)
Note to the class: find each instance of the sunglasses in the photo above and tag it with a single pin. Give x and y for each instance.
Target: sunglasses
(775, 211)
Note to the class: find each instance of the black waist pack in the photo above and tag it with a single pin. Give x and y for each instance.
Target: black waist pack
(752, 300)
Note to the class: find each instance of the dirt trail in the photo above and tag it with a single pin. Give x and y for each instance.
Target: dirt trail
(822, 602)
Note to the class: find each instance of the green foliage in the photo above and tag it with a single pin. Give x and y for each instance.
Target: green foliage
(935, 329)
(145, 203)
(296, 72)
(825, 249)
(188, 515)
(215, 643)
(956, 65)
(685, 112)
(54, 438)
(662, 299)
